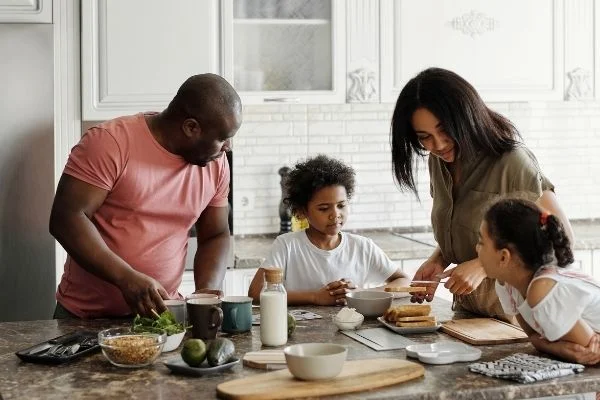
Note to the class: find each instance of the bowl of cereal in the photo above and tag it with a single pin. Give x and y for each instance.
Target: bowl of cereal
(124, 348)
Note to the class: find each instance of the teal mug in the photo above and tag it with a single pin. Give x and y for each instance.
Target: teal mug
(237, 314)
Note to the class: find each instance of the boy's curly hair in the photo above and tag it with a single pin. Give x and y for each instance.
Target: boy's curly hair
(312, 175)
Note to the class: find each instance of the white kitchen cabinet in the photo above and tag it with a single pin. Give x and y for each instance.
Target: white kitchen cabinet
(583, 260)
(136, 53)
(187, 283)
(237, 281)
(510, 50)
(289, 51)
(24, 11)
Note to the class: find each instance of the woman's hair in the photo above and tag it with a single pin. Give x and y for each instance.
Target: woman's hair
(535, 235)
(462, 114)
(312, 175)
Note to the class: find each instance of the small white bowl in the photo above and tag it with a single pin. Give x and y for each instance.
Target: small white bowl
(173, 341)
(370, 303)
(348, 325)
(315, 361)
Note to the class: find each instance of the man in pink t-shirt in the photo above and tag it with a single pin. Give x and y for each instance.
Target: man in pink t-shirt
(130, 192)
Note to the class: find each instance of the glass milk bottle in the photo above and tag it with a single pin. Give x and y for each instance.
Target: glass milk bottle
(273, 309)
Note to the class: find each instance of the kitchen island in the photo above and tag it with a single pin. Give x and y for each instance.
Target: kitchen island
(93, 377)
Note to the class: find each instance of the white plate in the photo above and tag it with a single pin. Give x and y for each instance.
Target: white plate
(443, 352)
(407, 330)
(176, 364)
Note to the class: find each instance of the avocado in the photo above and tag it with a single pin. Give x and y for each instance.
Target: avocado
(220, 351)
(291, 324)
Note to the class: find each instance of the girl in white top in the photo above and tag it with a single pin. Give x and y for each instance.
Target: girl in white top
(321, 264)
(528, 252)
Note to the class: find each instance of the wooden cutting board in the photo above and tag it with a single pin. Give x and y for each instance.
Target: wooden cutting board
(356, 376)
(265, 359)
(481, 331)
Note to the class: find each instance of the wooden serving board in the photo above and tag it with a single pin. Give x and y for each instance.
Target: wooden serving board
(480, 331)
(356, 376)
(265, 359)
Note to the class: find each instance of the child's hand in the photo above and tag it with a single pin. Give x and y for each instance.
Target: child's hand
(465, 277)
(334, 293)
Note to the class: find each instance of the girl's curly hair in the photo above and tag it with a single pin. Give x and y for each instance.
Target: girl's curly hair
(311, 175)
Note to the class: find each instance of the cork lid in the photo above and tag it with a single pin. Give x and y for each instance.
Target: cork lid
(273, 275)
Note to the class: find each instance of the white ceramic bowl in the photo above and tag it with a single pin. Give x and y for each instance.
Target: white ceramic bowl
(346, 325)
(315, 361)
(370, 303)
(173, 341)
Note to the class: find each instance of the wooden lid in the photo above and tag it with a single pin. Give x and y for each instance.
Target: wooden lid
(273, 275)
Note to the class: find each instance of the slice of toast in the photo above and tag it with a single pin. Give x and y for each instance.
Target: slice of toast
(409, 289)
(415, 324)
(407, 310)
(419, 318)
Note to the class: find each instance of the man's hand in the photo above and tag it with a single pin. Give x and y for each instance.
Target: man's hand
(143, 294)
(334, 293)
(430, 270)
(465, 277)
(573, 352)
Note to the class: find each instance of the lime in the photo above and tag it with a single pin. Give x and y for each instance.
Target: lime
(193, 352)
(291, 324)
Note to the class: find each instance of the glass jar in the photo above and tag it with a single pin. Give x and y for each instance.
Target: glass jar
(273, 309)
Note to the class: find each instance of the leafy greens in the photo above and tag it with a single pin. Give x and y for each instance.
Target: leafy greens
(166, 320)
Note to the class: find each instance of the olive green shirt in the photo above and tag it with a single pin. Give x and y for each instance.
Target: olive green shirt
(456, 219)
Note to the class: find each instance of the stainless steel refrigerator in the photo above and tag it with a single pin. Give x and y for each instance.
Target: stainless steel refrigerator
(27, 276)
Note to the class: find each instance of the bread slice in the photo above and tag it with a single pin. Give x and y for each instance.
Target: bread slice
(415, 324)
(409, 289)
(406, 310)
(417, 318)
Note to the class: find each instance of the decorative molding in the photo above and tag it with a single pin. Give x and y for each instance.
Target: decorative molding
(362, 41)
(580, 84)
(22, 11)
(363, 87)
(473, 23)
(67, 97)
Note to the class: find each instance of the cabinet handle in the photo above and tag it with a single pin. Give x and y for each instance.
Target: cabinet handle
(281, 99)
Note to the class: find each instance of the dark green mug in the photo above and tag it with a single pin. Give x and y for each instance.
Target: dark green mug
(237, 314)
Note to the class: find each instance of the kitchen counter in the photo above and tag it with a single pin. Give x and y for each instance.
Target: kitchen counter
(93, 377)
(251, 250)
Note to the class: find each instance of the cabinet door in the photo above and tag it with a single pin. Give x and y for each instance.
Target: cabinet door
(237, 281)
(136, 53)
(21, 11)
(285, 50)
(510, 50)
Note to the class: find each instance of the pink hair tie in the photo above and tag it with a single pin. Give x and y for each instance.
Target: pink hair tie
(544, 218)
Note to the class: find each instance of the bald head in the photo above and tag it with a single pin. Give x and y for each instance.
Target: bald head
(208, 98)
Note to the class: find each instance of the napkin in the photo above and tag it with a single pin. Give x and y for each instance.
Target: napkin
(525, 368)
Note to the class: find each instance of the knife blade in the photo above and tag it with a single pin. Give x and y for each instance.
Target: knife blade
(422, 282)
(40, 348)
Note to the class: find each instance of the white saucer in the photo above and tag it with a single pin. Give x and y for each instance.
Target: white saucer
(443, 352)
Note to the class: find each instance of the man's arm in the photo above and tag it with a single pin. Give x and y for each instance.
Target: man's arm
(210, 261)
(71, 224)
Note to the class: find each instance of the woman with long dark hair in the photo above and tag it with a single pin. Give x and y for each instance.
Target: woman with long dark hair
(474, 154)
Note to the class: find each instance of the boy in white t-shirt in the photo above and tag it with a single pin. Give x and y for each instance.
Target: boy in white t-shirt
(321, 264)
(529, 253)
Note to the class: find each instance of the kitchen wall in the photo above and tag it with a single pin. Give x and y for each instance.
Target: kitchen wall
(565, 136)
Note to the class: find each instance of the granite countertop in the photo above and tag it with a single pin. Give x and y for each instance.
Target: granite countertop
(251, 250)
(93, 377)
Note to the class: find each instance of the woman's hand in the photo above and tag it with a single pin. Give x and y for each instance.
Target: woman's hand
(334, 293)
(430, 270)
(573, 352)
(465, 277)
